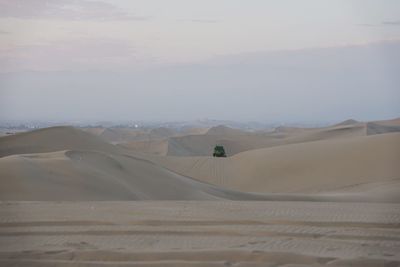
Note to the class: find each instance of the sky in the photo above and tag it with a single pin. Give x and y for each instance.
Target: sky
(258, 60)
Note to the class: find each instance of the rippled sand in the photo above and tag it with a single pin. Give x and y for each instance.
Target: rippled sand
(199, 233)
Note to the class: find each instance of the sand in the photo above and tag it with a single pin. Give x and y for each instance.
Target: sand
(51, 140)
(82, 175)
(236, 141)
(310, 167)
(193, 233)
(199, 142)
(83, 167)
(156, 147)
(117, 197)
(63, 163)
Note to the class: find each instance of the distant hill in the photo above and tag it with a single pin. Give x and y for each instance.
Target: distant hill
(224, 130)
(161, 133)
(347, 122)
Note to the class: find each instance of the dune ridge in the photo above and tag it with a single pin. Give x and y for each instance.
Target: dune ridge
(88, 175)
(38, 165)
(309, 167)
(63, 163)
(50, 140)
(240, 141)
(199, 142)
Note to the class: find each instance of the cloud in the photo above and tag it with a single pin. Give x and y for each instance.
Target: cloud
(391, 23)
(367, 25)
(383, 23)
(205, 20)
(309, 84)
(77, 54)
(200, 20)
(64, 9)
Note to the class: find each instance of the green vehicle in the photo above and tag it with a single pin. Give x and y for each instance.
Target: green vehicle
(219, 152)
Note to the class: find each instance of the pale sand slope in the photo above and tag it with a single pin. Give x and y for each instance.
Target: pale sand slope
(156, 147)
(309, 167)
(378, 128)
(83, 175)
(83, 167)
(194, 130)
(87, 168)
(163, 141)
(126, 135)
(239, 141)
(94, 130)
(199, 234)
(236, 141)
(119, 135)
(393, 122)
(52, 139)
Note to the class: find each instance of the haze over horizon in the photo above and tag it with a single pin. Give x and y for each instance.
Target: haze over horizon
(185, 60)
(198, 133)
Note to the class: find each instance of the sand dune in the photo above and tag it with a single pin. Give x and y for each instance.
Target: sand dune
(347, 122)
(161, 132)
(83, 175)
(194, 131)
(156, 147)
(80, 166)
(126, 135)
(86, 175)
(224, 130)
(378, 128)
(203, 145)
(336, 159)
(392, 122)
(298, 222)
(63, 163)
(50, 140)
(236, 141)
(308, 167)
(121, 135)
(94, 130)
(157, 141)
(164, 141)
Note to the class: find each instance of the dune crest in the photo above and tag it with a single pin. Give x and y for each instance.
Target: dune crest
(311, 167)
(50, 140)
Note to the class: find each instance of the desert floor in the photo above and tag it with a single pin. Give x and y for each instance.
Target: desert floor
(125, 197)
(199, 233)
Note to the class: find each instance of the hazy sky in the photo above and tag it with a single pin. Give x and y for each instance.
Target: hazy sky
(306, 60)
